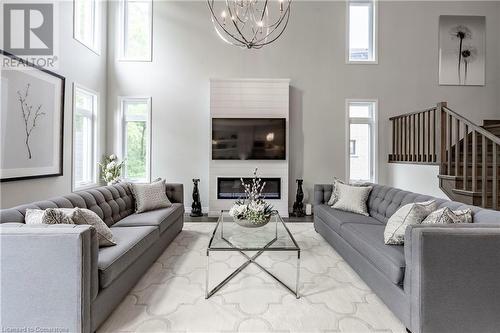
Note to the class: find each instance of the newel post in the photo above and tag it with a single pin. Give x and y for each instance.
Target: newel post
(440, 125)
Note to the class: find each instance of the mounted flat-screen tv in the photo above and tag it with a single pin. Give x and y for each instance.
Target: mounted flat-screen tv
(248, 138)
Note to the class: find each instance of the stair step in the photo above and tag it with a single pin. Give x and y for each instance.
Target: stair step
(488, 122)
(471, 193)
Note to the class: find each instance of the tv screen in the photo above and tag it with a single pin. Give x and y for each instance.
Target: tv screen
(248, 138)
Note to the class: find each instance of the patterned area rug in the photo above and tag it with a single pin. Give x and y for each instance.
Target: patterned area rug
(170, 297)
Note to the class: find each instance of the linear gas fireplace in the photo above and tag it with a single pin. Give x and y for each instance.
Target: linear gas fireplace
(231, 188)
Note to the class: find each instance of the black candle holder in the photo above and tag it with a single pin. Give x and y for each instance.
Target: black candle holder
(298, 205)
(196, 206)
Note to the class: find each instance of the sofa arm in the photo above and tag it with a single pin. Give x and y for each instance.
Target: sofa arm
(175, 193)
(454, 274)
(48, 277)
(322, 193)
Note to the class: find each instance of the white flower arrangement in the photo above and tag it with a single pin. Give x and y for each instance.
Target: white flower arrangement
(253, 208)
(111, 169)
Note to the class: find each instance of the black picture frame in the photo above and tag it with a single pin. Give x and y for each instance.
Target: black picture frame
(61, 129)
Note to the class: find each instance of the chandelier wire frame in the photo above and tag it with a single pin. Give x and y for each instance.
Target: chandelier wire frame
(246, 23)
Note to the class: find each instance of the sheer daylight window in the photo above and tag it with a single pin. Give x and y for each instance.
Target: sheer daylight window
(136, 143)
(361, 27)
(84, 138)
(361, 130)
(136, 30)
(86, 23)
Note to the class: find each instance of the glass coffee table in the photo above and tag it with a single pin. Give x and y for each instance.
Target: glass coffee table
(229, 236)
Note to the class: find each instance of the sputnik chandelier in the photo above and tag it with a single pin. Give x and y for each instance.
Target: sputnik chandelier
(250, 23)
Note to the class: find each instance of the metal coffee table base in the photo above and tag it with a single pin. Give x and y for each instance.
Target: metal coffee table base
(251, 260)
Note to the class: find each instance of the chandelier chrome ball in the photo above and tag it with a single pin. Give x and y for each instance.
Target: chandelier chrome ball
(250, 23)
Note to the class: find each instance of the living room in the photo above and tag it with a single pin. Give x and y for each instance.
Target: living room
(240, 165)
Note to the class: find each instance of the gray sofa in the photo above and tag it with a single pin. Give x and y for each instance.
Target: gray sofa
(55, 278)
(446, 278)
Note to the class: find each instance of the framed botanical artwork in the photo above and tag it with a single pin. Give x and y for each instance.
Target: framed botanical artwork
(31, 120)
(462, 50)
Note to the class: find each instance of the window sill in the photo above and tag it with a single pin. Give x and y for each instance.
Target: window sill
(85, 187)
(134, 60)
(362, 62)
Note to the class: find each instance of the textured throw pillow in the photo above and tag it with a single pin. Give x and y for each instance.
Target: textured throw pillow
(334, 197)
(88, 217)
(33, 216)
(447, 216)
(150, 196)
(409, 214)
(49, 216)
(352, 198)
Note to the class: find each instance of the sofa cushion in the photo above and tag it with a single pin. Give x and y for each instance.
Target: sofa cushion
(131, 243)
(384, 201)
(162, 218)
(335, 218)
(368, 240)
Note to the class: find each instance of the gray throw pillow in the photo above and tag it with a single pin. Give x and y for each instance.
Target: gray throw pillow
(448, 216)
(352, 198)
(413, 213)
(150, 196)
(88, 217)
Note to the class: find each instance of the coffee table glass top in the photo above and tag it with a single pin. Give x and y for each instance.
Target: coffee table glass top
(274, 236)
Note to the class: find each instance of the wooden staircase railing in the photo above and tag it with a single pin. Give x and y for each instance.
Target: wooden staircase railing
(466, 153)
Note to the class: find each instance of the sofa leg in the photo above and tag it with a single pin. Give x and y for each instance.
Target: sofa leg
(407, 330)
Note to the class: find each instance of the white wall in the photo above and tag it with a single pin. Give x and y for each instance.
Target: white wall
(416, 178)
(77, 64)
(243, 98)
(187, 52)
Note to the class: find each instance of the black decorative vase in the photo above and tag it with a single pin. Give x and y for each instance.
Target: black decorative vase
(196, 206)
(298, 205)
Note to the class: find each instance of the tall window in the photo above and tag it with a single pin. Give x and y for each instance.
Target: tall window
(137, 29)
(361, 41)
(362, 134)
(136, 143)
(84, 137)
(86, 23)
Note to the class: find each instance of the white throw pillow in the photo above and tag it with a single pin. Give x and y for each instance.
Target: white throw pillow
(447, 216)
(49, 216)
(33, 216)
(335, 195)
(413, 213)
(77, 215)
(88, 217)
(352, 198)
(150, 196)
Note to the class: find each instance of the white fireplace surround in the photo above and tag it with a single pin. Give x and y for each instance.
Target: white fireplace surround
(248, 98)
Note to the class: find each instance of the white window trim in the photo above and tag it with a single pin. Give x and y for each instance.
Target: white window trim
(95, 139)
(122, 33)
(374, 32)
(121, 133)
(374, 149)
(96, 28)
